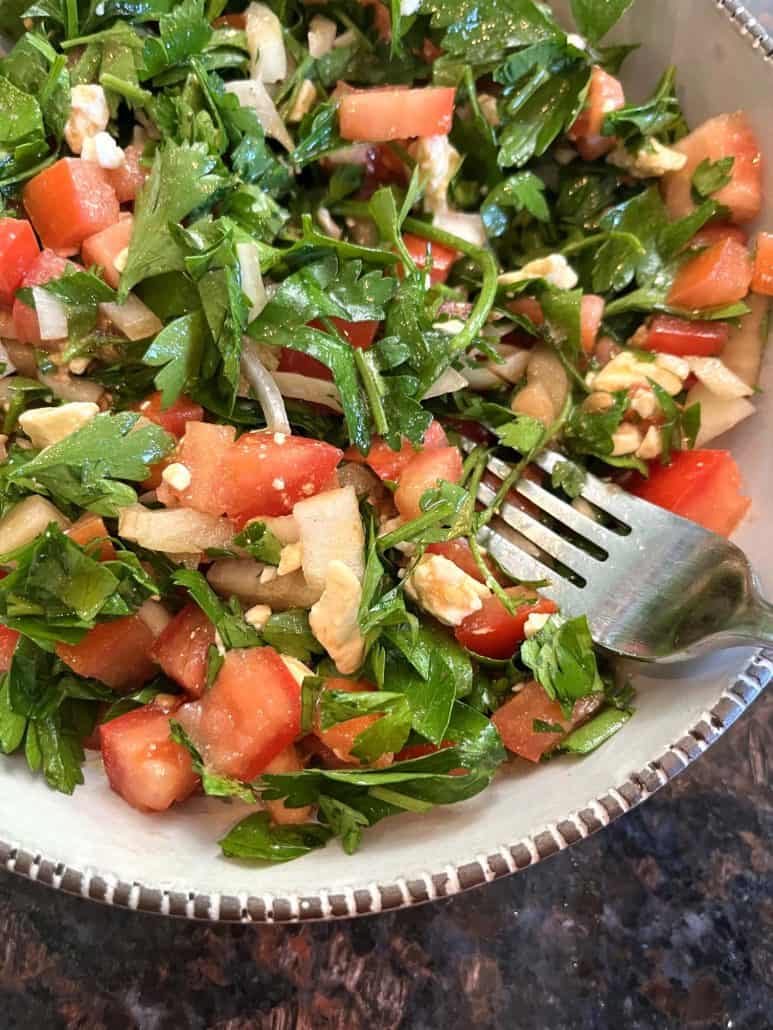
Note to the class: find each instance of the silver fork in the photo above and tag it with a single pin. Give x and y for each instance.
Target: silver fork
(654, 587)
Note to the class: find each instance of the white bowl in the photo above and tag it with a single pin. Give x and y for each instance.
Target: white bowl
(96, 846)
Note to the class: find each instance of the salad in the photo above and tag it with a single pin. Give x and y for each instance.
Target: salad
(275, 282)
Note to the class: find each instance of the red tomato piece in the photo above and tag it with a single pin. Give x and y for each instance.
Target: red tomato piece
(423, 472)
(104, 247)
(443, 258)
(303, 365)
(70, 201)
(458, 551)
(591, 314)
(173, 419)
(115, 653)
(493, 632)
(287, 761)
(340, 738)
(727, 135)
(18, 251)
(230, 21)
(679, 336)
(528, 306)
(182, 649)
(382, 114)
(45, 267)
(88, 528)
(267, 473)
(382, 21)
(251, 713)
(763, 265)
(515, 721)
(8, 639)
(704, 486)
(129, 178)
(605, 94)
(143, 764)
(389, 464)
(715, 232)
(719, 275)
(204, 451)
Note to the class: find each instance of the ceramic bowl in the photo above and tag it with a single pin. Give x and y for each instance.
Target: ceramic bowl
(94, 845)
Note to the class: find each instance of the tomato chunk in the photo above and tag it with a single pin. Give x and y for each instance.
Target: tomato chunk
(69, 202)
(359, 334)
(250, 714)
(458, 551)
(704, 486)
(287, 761)
(443, 258)
(679, 336)
(591, 314)
(143, 764)
(719, 275)
(382, 114)
(203, 450)
(182, 649)
(530, 307)
(341, 738)
(173, 419)
(88, 528)
(605, 94)
(103, 248)
(763, 265)
(45, 267)
(714, 232)
(389, 464)
(128, 179)
(493, 632)
(8, 640)
(115, 653)
(423, 472)
(727, 135)
(18, 251)
(515, 721)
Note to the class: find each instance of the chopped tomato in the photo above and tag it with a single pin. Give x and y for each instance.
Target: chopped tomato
(303, 365)
(143, 764)
(203, 450)
(129, 178)
(115, 653)
(515, 721)
(423, 472)
(382, 114)
(287, 761)
(704, 486)
(8, 639)
(88, 528)
(679, 336)
(251, 713)
(230, 21)
(382, 22)
(529, 307)
(591, 314)
(104, 248)
(70, 201)
(493, 632)
(443, 258)
(719, 275)
(383, 167)
(18, 251)
(458, 551)
(714, 232)
(182, 648)
(341, 738)
(173, 419)
(727, 135)
(389, 464)
(605, 94)
(267, 473)
(45, 267)
(763, 265)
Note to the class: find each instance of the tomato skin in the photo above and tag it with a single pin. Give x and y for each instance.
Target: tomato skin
(88, 528)
(359, 334)
(69, 202)
(515, 721)
(129, 179)
(340, 738)
(530, 307)
(18, 251)
(45, 267)
(704, 486)
(458, 551)
(493, 632)
(251, 713)
(203, 450)
(379, 115)
(443, 258)
(422, 473)
(230, 21)
(719, 275)
(763, 265)
(173, 419)
(605, 94)
(104, 247)
(115, 653)
(143, 764)
(182, 649)
(714, 232)
(8, 641)
(679, 336)
(591, 314)
(389, 464)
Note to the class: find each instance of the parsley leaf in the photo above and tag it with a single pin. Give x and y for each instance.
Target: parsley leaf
(523, 434)
(482, 30)
(524, 191)
(387, 734)
(563, 661)
(658, 116)
(594, 19)
(177, 350)
(568, 477)
(711, 176)
(256, 840)
(259, 542)
(229, 621)
(595, 732)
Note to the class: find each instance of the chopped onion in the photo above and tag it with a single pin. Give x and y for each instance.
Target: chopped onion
(67, 388)
(331, 530)
(284, 527)
(268, 58)
(718, 378)
(23, 357)
(480, 377)
(252, 280)
(356, 154)
(322, 34)
(155, 617)
(252, 93)
(133, 318)
(26, 521)
(7, 367)
(513, 365)
(718, 414)
(306, 388)
(265, 389)
(743, 351)
(179, 531)
(235, 577)
(7, 328)
(467, 227)
(52, 315)
(449, 382)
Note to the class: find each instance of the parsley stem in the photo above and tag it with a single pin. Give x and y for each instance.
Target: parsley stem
(71, 18)
(602, 237)
(374, 388)
(411, 529)
(135, 94)
(404, 801)
(495, 587)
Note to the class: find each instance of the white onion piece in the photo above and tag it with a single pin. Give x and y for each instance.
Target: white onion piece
(52, 315)
(480, 377)
(356, 154)
(26, 521)
(252, 93)
(743, 351)
(235, 577)
(179, 531)
(513, 365)
(718, 378)
(155, 617)
(7, 328)
(330, 530)
(7, 367)
(718, 414)
(284, 527)
(268, 58)
(23, 357)
(265, 389)
(132, 318)
(449, 382)
(69, 388)
(306, 388)
(466, 226)
(252, 280)
(322, 34)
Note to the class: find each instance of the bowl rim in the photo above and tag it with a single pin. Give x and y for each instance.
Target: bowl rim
(373, 898)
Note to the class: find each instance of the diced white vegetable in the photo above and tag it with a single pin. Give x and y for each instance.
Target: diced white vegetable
(743, 351)
(718, 378)
(174, 531)
(284, 527)
(26, 521)
(89, 114)
(480, 377)
(330, 530)
(132, 318)
(268, 58)
(52, 314)
(306, 388)
(296, 668)
(155, 617)
(466, 226)
(356, 154)
(252, 93)
(241, 578)
(64, 386)
(304, 101)
(554, 269)
(333, 619)
(265, 388)
(47, 426)
(290, 559)
(252, 280)
(438, 161)
(322, 34)
(103, 150)
(718, 414)
(515, 361)
(449, 382)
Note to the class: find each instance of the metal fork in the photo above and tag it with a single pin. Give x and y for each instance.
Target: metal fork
(654, 586)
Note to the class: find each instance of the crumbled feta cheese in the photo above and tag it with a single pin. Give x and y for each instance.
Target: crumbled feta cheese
(121, 260)
(177, 475)
(651, 161)
(554, 269)
(535, 622)
(89, 115)
(304, 102)
(626, 440)
(258, 615)
(409, 7)
(103, 149)
(47, 426)
(438, 163)
(333, 619)
(444, 590)
(280, 438)
(467, 226)
(290, 559)
(652, 444)
(644, 402)
(625, 371)
(488, 107)
(219, 644)
(278, 484)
